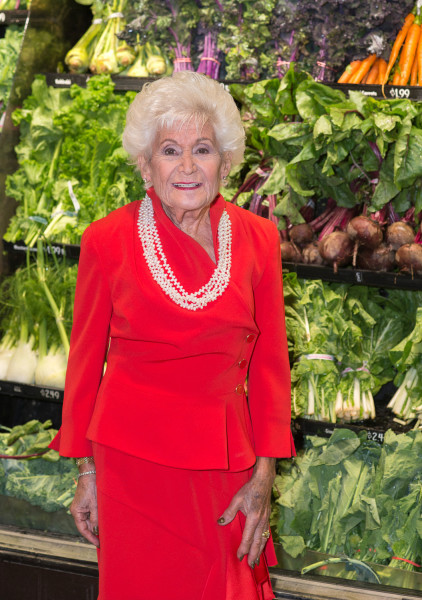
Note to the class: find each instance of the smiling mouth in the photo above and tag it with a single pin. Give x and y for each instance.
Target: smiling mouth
(187, 186)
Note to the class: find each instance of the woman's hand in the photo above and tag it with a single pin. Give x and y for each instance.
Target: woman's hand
(254, 500)
(84, 509)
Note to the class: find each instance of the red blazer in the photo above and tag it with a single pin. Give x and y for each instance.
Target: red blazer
(172, 392)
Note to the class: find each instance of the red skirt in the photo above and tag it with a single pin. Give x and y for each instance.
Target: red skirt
(159, 534)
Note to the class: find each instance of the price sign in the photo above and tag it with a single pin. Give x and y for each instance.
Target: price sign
(375, 436)
(57, 250)
(400, 92)
(2, 17)
(62, 81)
(49, 393)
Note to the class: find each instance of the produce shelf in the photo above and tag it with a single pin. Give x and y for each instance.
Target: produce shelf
(399, 281)
(319, 584)
(125, 83)
(31, 392)
(410, 92)
(13, 17)
(122, 82)
(16, 252)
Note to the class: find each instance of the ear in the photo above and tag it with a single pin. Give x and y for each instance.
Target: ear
(226, 164)
(143, 166)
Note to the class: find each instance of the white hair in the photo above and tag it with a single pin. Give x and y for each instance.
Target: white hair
(177, 100)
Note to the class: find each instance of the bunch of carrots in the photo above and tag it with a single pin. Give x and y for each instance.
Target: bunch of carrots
(404, 66)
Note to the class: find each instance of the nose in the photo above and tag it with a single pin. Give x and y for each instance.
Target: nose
(187, 164)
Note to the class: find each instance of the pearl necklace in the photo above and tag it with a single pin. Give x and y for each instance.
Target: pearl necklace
(163, 273)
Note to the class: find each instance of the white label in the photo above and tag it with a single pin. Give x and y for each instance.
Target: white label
(47, 393)
(400, 92)
(2, 17)
(359, 277)
(61, 81)
(375, 436)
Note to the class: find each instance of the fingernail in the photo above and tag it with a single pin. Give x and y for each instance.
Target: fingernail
(257, 561)
(242, 557)
(221, 520)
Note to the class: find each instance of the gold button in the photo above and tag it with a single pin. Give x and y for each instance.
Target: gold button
(250, 338)
(242, 363)
(239, 389)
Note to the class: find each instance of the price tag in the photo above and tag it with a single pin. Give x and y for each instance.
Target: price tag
(375, 436)
(17, 389)
(2, 17)
(400, 92)
(358, 276)
(57, 250)
(62, 81)
(48, 393)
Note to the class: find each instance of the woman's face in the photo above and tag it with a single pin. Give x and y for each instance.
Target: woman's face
(186, 167)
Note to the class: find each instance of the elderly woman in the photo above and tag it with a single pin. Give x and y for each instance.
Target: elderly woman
(180, 293)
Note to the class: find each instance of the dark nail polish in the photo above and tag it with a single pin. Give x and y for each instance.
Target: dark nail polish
(257, 561)
(221, 520)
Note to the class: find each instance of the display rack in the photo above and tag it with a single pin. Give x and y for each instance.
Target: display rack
(394, 280)
(13, 17)
(410, 92)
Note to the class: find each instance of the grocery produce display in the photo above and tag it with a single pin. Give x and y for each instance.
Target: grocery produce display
(36, 305)
(237, 40)
(353, 498)
(31, 472)
(72, 167)
(9, 52)
(404, 65)
(346, 170)
(340, 339)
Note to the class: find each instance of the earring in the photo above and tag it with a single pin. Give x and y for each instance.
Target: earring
(224, 182)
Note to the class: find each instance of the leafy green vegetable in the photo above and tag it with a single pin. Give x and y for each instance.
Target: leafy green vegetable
(47, 481)
(10, 46)
(73, 169)
(353, 498)
(339, 337)
(314, 142)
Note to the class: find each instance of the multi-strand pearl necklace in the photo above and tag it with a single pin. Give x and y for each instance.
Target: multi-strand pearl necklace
(163, 273)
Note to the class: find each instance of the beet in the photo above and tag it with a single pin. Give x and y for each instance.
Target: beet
(301, 234)
(409, 258)
(378, 259)
(399, 233)
(290, 252)
(336, 249)
(311, 255)
(366, 231)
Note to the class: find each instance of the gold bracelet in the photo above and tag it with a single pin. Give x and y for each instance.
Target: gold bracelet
(84, 460)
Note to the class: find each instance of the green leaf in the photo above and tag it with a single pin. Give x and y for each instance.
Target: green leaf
(293, 544)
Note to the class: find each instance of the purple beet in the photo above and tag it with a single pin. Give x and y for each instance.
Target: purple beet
(290, 252)
(336, 249)
(364, 230)
(311, 255)
(301, 234)
(409, 258)
(377, 259)
(398, 234)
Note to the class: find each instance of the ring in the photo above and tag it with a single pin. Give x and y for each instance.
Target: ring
(266, 534)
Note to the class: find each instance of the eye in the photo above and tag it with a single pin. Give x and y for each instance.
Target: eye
(203, 150)
(169, 151)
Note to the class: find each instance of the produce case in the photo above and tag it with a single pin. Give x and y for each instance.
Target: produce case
(42, 552)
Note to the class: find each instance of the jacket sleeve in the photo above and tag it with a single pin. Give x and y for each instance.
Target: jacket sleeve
(88, 348)
(269, 370)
